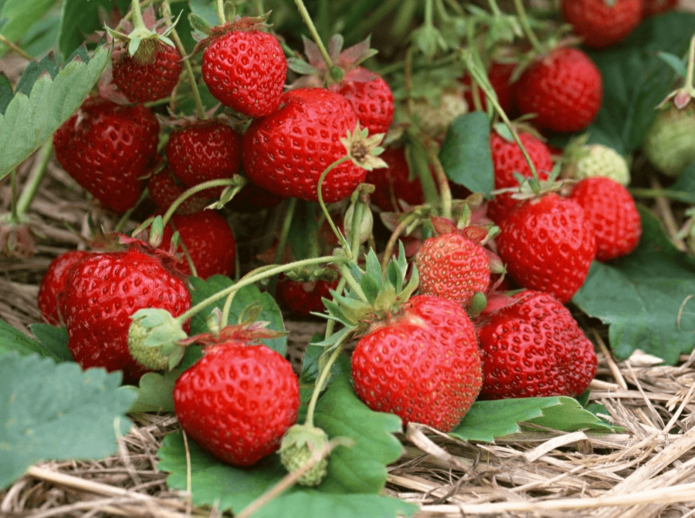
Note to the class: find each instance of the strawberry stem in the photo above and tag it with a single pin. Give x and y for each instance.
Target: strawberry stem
(282, 241)
(338, 235)
(187, 255)
(224, 182)
(15, 48)
(252, 279)
(314, 34)
(320, 382)
(494, 8)
(30, 189)
(347, 275)
(691, 68)
(442, 181)
(224, 318)
(526, 26)
(220, 11)
(126, 216)
(138, 22)
(199, 108)
(14, 215)
(393, 239)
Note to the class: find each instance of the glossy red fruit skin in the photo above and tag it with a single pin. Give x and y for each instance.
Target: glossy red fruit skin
(246, 70)
(654, 7)
(303, 298)
(238, 401)
(422, 364)
(107, 148)
(547, 245)
(613, 214)
(534, 348)
(203, 151)
(252, 198)
(164, 191)
(564, 89)
(372, 101)
(393, 183)
(53, 286)
(454, 267)
(286, 152)
(148, 82)
(209, 240)
(599, 24)
(103, 291)
(500, 75)
(508, 159)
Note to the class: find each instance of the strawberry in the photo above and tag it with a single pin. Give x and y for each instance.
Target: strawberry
(500, 76)
(434, 119)
(164, 190)
(107, 149)
(531, 346)
(602, 23)
(370, 97)
(104, 290)
(245, 68)
(585, 161)
(304, 298)
(508, 159)
(148, 81)
(547, 244)
(654, 7)
(239, 400)
(453, 265)
(421, 364)
(286, 152)
(202, 151)
(209, 240)
(669, 145)
(252, 198)
(613, 214)
(53, 285)
(393, 183)
(564, 89)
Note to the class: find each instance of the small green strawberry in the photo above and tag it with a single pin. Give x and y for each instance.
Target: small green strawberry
(434, 119)
(669, 144)
(587, 160)
(300, 444)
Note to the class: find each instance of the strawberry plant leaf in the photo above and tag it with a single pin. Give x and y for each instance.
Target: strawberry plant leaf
(70, 414)
(243, 298)
(155, 392)
(79, 18)
(487, 420)
(303, 231)
(34, 70)
(466, 156)
(21, 15)
(227, 487)
(6, 92)
(640, 296)
(13, 340)
(685, 185)
(29, 120)
(54, 339)
(635, 79)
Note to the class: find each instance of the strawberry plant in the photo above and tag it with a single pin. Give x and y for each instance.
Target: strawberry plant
(313, 244)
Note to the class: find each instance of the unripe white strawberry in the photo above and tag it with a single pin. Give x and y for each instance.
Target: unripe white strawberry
(434, 120)
(670, 143)
(595, 160)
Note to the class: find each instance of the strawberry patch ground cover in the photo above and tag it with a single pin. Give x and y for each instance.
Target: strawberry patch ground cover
(339, 259)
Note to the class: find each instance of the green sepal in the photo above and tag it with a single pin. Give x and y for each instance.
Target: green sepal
(301, 67)
(199, 23)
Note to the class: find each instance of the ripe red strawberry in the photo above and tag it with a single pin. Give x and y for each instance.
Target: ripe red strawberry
(164, 191)
(239, 400)
(304, 298)
(654, 7)
(532, 347)
(252, 198)
(103, 291)
(500, 75)
(421, 364)
(144, 82)
(203, 151)
(53, 285)
(613, 214)
(601, 23)
(547, 244)
(508, 159)
(107, 149)
(372, 99)
(286, 152)
(245, 70)
(209, 240)
(393, 183)
(564, 89)
(453, 265)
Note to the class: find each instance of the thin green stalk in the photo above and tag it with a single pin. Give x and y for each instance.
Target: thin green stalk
(442, 181)
(366, 26)
(331, 323)
(319, 188)
(226, 309)
(220, 11)
(319, 383)
(267, 272)
(224, 182)
(15, 48)
(260, 8)
(314, 33)
(347, 275)
(470, 36)
(282, 241)
(691, 66)
(199, 108)
(494, 8)
(665, 193)
(13, 207)
(428, 12)
(126, 215)
(186, 254)
(32, 186)
(356, 226)
(527, 27)
(138, 22)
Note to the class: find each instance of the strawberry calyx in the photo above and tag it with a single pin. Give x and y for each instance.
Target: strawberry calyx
(155, 339)
(144, 37)
(312, 274)
(18, 236)
(245, 24)
(682, 96)
(299, 446)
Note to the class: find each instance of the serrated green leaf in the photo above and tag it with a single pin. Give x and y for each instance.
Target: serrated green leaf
(34, 70)
(13, 340)
(155, 392)
(78, 19)
(227, 487)
(6, 92)
(21, 15)
(54, 340)
(570, 416)
(243, 298)
(304, 229)
(43, 35)
(465, 154)
(29, 121)
(70, 414)
(640, 296)
(370, 286)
